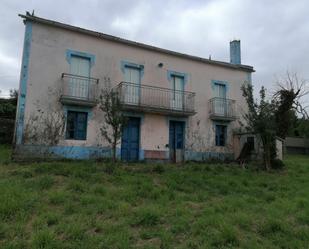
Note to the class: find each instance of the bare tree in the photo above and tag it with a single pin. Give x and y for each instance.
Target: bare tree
(114, 120)
(44, 128)
(289, 97)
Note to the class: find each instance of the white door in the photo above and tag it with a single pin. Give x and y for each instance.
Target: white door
(177, 95)
(79, 86)
(220, 100)
(132, 90)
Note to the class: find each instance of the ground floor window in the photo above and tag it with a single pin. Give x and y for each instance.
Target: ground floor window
(220, 135)
(76, 125)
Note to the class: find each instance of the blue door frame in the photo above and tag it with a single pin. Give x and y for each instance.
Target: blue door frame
(176, 138)
(130, 140)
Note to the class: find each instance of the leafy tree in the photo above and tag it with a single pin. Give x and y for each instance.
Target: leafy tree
(274, 117)
(261, 120)
(300, 128)
(7, 117)
(114, 120)
(8, 105)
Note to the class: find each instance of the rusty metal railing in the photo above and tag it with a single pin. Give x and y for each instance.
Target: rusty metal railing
(156, 99)
(222, 107)
(79, 87)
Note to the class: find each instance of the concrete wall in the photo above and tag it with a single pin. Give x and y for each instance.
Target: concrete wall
(47, 62)
(257, 152)
(296, 145)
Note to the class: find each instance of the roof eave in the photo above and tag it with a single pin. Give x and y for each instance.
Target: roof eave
(135, 44)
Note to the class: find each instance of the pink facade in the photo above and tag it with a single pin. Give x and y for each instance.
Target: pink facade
(182, 107)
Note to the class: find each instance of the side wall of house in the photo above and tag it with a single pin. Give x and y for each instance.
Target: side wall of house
(48, 60)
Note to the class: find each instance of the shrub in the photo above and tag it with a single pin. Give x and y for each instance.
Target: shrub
(51, 218)
(57, 198)
(77, 186)
(44, 239)
(109, 168)
(227, 237)
(271, 226)
(146, 217)
(45, 182)
(277, 164)
(159, 168)
(14, 200)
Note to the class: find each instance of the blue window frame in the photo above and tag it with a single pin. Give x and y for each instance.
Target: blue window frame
(76, 125)
(70, 53)
(221, 135)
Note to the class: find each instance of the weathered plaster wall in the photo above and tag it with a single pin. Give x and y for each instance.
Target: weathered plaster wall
(48, 61)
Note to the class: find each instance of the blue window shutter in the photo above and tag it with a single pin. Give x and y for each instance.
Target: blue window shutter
(70, 125)
(81, 125)
(221, 135)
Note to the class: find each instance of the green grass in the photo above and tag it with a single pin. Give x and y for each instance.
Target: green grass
(79, 205)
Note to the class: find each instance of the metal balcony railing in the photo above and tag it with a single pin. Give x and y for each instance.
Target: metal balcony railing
(222, 109)
(79, 90)
(156, 99)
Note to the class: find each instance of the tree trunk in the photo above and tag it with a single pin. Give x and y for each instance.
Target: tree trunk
(267, 155)
(267, 160)
(114, 146)
(114, 152)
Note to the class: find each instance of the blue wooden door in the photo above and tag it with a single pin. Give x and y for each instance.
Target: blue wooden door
(130, 140)
(176, 139)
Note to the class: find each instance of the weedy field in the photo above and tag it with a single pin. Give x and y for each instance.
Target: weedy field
(80, 205)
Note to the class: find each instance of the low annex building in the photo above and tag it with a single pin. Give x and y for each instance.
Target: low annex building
(180, 107)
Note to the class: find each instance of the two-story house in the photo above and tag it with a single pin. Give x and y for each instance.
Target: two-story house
(179, 106)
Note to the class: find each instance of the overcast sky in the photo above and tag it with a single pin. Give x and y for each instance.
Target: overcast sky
(274, 34)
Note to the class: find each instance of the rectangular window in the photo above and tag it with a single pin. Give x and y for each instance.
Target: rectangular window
(220, 107)
(76, 125)
(132, 91)
(177, 99)
(220, 90)
(220, 135)
(79, 84)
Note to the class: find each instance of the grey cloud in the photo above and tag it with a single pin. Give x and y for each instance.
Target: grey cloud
(274, 34)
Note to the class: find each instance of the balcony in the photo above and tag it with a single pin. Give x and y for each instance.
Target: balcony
(79, 90)
(222, 109)
(145, 98)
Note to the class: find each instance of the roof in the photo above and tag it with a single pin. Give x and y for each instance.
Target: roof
(37, 19)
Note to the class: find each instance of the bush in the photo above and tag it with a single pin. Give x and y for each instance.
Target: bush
(146, 217)
(159, 168)
(277, 164)
(109, 168)
(44, 239)
(6, 130)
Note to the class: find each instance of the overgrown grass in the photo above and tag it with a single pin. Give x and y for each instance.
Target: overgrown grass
(80, 205)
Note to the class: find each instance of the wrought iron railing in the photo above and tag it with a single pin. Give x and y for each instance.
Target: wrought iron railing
(156, 99)
(222, 108)
(79, 87)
